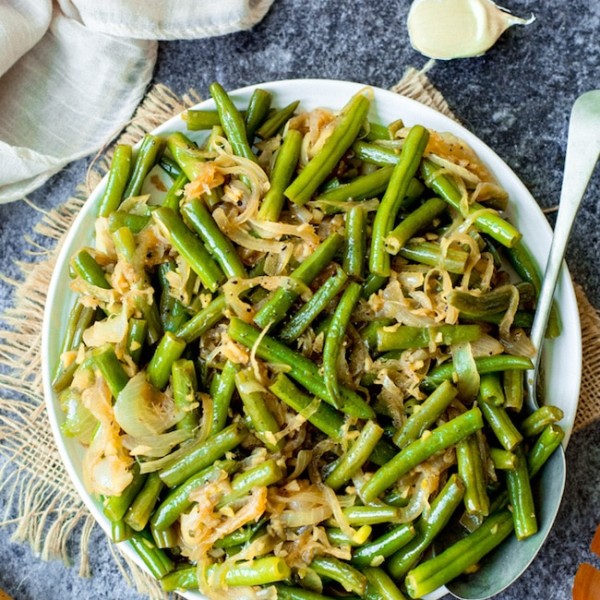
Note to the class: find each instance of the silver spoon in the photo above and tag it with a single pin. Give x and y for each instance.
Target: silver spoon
(512, 558)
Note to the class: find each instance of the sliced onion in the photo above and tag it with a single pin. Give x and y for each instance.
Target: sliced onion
(155, 446)
(142, 410)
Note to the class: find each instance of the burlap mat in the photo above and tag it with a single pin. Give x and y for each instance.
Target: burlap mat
(43, 505)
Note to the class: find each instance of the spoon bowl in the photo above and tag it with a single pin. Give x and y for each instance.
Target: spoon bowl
(513, 557)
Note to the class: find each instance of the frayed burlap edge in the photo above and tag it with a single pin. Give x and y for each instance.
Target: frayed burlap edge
(42, 502)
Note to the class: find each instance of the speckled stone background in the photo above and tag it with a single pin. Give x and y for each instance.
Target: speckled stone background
(516, 98)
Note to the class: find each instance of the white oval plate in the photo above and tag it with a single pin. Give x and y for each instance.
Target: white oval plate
(562, 356)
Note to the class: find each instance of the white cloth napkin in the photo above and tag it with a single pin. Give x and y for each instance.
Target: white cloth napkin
(73, 71)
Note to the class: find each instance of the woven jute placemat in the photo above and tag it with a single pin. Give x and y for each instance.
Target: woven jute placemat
(43, 506)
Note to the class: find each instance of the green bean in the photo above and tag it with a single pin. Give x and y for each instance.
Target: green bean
(276, 308)
(80, 318)
(361, 188)
(328, 420)
(158, 563)
(260, 571)
(218, 244)
(344, 574)
(221, 391)
(487, 221)
(334, 339)
(118, 176)
(377, 131)
(199, 120)
(147, 155)
(428, 253)
(141, 508)
(274, 123)
(232, 122)
(170, 167)
(372, 285)
(538, 420)
(149, 311)
(513, 383)
(491, 389)
(380, 585)
(338, 537)
(138, 330)
(548, 441)
(356, 242)
(428, 527)
(413, 223)
(119, 219)
(213, 196)
(429, 411)
(241, 536)
(284, 168)
(525, 266)
(203, 320)
(302, 320)
(110, 368)
(185, 578)
(89, 270)
(285, 592)
(203, 453)
(168, 351)
(356, 456)
(262, 475)
(471, 471)
(258, 109)
(521, 498)
(522, 318)
(120, 531)
(403, 337)
(397, 498)
(383, 547)
(185, 386)
(263, 422)
(485, 364)
(186, 155)
(410, 158)
(503, 459)
(371, 515)
(124, 242)
(502, 426)
(456, 559)
(173, 197)
(441, 437)
(115, 507)
(303, 370)
(173, 313)
(177, 501)
(190, 247)
(375, 154)
(349, 123)
(165, 538)
(369, 332)
(324, 418)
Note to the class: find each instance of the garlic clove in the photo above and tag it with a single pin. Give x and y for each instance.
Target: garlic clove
(446, 29)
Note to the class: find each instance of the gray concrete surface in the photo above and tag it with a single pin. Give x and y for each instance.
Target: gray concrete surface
(516, 98)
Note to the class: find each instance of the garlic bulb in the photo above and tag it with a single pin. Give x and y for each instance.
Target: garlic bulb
(447, 29)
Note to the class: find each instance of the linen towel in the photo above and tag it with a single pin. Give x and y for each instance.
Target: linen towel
(73, 71)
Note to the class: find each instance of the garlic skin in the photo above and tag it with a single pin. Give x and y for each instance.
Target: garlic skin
(447, 29)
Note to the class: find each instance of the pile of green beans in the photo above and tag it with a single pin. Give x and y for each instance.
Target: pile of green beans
(369, 355)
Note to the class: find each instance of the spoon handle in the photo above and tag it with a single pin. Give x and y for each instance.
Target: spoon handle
(583, 149)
